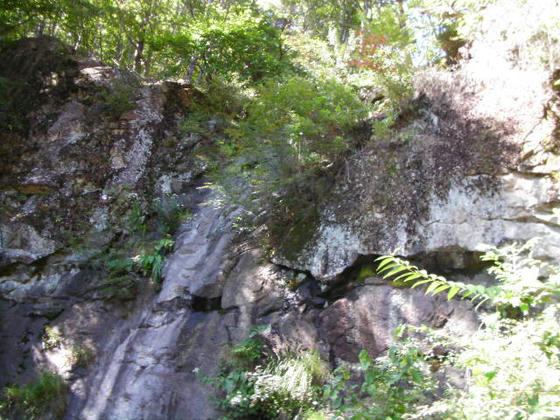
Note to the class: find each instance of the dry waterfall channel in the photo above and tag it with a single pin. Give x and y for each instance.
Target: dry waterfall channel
(141, 375)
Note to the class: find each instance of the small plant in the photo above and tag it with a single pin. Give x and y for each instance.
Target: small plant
(120, 279)
(520, 283)
(51, 339)
(403, 272)
(136, 219)
(46, 396)
(151, 263)
(513, 360)
(168, 213)
(248, 351)
(123, 268)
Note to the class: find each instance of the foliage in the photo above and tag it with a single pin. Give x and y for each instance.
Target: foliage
(81, 355)
(403, 272)
(525, 33)
(519, 287)
(148, 262)
(119, 280)
(520, 277)
(51, 339)
(142, 250)
(257, 385)
(513, 362)
(515, 370)
(392, 386)
(293, 128)
(249, 350)
(222, 103)
(278, 386)
(35, 400)
(151, 263)
(239, 41)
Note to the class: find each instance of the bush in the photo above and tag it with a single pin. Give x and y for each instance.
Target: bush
(81, 355)
(43, 399)
(268, 387)
(391, 386)
(221, 103)
(297, 125)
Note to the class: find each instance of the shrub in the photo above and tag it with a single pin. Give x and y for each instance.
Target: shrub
(221, 103)
(122, 266)
(275, 387)
(297, 125)
(151, 263)
(391, 386)
(81, 355)
(42, 399)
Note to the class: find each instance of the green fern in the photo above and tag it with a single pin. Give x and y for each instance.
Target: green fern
(402, 271)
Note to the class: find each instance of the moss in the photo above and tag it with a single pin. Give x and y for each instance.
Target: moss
(292, 235)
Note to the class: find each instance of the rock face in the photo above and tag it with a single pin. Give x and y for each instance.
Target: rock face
(148, 360)
(81, 146)
(80, 168)
(474, 164)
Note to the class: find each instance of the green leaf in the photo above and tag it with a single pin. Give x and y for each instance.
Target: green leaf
(418, 283)
(467, 294)
(408, 273)
(413, 276)
(394, 271)
(441, 289)
(385, 262)
(452, 292)
(432, 286)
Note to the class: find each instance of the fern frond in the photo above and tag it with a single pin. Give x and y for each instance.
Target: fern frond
(399, 270)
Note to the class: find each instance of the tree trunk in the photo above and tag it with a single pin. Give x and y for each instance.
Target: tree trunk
(139, 56)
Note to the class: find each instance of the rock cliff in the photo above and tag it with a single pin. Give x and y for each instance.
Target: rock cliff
(89, 146)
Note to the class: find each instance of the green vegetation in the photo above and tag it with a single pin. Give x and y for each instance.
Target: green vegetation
(285, 91)
(81, 355)
(294, 129)
(520, 286)
(123, 267)
(260, 385)
(514, 360)
(36, 400)
(285, 83)
(118, 98)
(51, 339)
(279, 386)
(146, 241)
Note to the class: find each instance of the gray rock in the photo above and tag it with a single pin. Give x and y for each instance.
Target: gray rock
(22, 243)
(197, 263)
